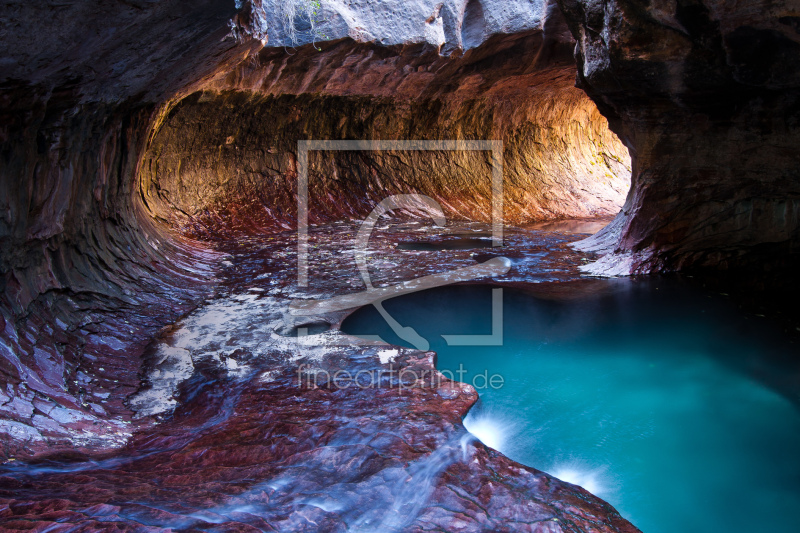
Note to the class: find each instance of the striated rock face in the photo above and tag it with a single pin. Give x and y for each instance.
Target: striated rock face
(706, 96)
(228, 156)
(86, 276)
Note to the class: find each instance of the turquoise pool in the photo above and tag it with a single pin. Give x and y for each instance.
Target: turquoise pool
(673, 406)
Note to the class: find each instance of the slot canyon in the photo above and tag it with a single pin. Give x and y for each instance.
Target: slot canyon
(225, 226)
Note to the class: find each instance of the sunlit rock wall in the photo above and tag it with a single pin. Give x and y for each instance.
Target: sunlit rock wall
(228, 156)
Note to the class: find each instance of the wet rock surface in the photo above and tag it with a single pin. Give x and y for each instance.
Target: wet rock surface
(261, 435)
(86, 283)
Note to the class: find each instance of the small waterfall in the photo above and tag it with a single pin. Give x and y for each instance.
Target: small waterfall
(413, 492)
(591, 480)
(494, 430)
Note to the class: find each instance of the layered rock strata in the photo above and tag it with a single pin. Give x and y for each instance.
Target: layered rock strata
(228, 156)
